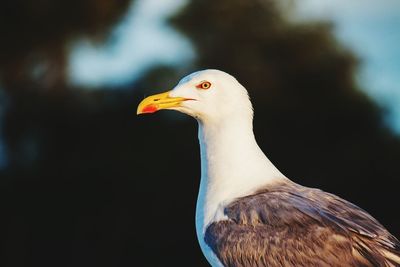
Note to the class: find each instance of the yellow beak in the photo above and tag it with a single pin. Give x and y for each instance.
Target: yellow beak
(157, 102)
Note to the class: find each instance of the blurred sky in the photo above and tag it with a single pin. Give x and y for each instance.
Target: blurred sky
(372, 30)
(143, 39)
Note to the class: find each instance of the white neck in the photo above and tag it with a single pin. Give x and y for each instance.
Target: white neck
(232, 166)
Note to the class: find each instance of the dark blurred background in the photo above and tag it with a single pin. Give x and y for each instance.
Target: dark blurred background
(85, 182)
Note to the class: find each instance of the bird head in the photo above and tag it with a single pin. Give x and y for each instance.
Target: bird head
(204, 95)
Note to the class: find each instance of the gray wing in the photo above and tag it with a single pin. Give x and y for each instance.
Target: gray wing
(291, 225)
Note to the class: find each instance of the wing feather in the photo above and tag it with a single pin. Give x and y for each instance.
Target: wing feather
(291, 225)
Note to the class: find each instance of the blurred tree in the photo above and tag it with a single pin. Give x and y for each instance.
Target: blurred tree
(35, 35)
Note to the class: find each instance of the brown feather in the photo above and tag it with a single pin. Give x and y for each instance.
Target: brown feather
(291, 225)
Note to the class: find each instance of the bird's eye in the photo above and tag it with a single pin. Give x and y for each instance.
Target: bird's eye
(204, 85)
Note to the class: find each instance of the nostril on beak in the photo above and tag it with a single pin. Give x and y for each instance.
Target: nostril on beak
(156, 99)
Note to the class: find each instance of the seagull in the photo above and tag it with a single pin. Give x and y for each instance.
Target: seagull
(248, 213)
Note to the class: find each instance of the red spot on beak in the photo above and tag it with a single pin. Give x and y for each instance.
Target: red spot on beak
(150, 109)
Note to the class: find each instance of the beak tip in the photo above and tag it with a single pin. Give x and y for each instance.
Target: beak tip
(146, 109)
(139, 111)
(153, 103)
